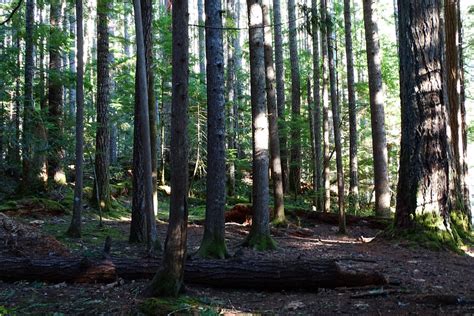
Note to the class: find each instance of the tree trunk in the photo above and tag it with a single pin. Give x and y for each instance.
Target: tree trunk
(335, 116)
(324, 90)
(280, 91)
(377, 115)
(423, 184)
(278, 197)
(102, 139)
(213, 242)
(55, 99)
(353, 165)
(457, 118)
(75, 227)
(295, 159)
(144, 130)
(168, 281)
(267, 275)
(259, 237)
(317, 106)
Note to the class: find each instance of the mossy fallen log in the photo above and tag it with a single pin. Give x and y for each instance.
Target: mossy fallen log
(269, 275)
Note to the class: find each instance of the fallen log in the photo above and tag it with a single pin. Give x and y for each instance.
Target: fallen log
(232, 273)
(351, 220)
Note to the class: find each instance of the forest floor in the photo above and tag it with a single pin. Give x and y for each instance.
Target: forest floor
(422, 281)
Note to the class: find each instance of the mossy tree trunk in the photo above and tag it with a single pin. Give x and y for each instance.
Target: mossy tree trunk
(213, 243)
(168, 281)
(259, 237)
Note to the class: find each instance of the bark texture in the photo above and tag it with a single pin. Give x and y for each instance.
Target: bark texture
(168, 280)
(423, 185)
(278, 193)
(213, 243)
(377, 115)
(259, 237)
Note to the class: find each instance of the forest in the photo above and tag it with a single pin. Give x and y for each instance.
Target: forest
(208, 157)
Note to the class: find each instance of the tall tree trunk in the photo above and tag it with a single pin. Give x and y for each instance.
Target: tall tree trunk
(72, 63)
(324, 90)
(317, 106)
(295, 159)
(423, 184)
(75, 226)
(142, 113)
(259, 237)
(55, 99)
(213, 242)
(168, 281)
(278, 198)
(335, 116)
(280, 87)
(377, 115)
(230, 79)
(353, 165)
(457, 118)
(102, 139)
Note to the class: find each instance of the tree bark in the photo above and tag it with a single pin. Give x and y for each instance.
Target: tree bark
(168, 280)
(353, 163)
(259, 237)
(102, 139)
(267, 275)
(55, 99)
(278, 194)
(423, 185)
(280, 91)
(213, 242)
(317, 106)
(295, 159)
(377, 115)
(76, 221)
(330, 36)
(324, 90)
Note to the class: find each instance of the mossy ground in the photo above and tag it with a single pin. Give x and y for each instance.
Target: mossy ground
(183, 305)
(260, 242)
(213, 247)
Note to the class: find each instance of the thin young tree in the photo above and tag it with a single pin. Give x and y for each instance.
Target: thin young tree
(325, 105)
(259, 237)
(330, 37)
(168, 281)
(278, 193)
(213, 242)
(353, 163)
(423, 183)
(280, 91)
(75, 227)
(317, 106)
(377, 114)
(102, 137)
(295, 161)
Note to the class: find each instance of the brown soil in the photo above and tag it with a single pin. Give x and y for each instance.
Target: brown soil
(422, 281)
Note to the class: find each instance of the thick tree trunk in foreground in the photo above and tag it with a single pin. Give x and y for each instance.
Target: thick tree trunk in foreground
(423, 184)
(75, 227)
(213, 242)
(259, 237)
(295, 161)
(102, 140)
(168, 281)
(377, 115)
(265, 275)
(278, 198)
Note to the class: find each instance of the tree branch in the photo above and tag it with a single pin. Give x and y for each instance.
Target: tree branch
(12, 13)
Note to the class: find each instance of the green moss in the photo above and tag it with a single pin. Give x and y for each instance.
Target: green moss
(183, 305)
(260, 242)
(279, 222)
(164, 284)
(213, 247)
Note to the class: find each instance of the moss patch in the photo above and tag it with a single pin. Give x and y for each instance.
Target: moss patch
(260, 242)
(213, 248)
(183, 305)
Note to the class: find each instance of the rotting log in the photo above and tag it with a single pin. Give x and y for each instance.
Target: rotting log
(351, 220)
(269, 275)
